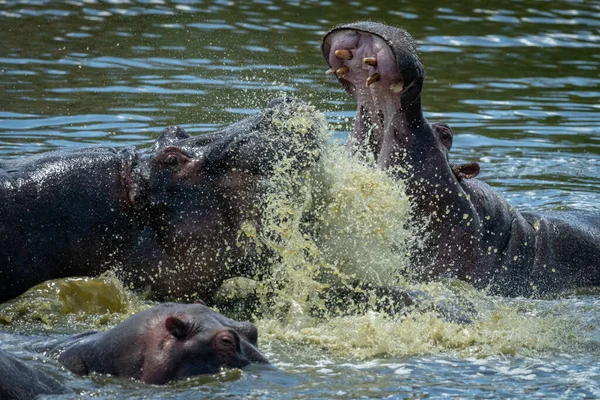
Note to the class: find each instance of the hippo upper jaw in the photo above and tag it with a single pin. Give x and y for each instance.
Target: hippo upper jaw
(379, 66)
(252, 354)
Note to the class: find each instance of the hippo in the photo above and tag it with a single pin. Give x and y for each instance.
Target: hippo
(162, 344)
(166, 218)
(20, 381)
(471, 232)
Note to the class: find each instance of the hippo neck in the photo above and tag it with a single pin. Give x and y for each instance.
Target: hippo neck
(104, 353)
(441, 205)
(462, 218)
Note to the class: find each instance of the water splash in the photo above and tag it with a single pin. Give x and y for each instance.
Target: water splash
(65, 305)
(343, 222)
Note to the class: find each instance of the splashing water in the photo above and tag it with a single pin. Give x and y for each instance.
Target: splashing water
(61, 305)
(343, 221)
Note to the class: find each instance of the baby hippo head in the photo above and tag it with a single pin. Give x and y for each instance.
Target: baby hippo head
(166, 343)
(195, 340)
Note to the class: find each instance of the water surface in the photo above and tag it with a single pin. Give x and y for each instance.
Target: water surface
(518, 82)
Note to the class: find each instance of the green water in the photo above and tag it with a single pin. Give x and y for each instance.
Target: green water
(517, 81)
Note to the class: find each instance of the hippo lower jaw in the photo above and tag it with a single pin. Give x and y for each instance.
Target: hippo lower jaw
(378, 66)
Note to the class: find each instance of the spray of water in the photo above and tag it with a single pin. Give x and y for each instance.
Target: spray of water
(342, 222)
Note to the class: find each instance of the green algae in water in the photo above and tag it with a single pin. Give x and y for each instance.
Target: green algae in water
(71, 304)
(337, 222)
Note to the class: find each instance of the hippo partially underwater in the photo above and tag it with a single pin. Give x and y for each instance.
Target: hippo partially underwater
(162, 344)
(471, 232)
(166, 218)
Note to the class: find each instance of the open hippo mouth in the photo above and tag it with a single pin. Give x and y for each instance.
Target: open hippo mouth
(379, 66)
(469, 231)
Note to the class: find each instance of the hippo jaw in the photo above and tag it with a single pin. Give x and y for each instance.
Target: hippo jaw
(378, 65)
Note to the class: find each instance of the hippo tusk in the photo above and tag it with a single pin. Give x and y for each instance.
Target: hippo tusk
(343, 54)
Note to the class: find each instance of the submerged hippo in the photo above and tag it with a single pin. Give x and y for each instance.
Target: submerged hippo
(167, 218)
(163, 344)
(471, 232)
(20, 381)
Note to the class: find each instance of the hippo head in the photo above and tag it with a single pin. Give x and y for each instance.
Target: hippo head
(380, 67)
(166, 343)
(198, 192)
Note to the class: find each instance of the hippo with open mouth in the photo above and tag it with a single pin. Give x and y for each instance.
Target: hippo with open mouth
(471, 232)
(167, 218)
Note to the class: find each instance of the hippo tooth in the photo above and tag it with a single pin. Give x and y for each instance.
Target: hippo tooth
(343, 54)
(342, 71)
(397, 87)
(372, 61)
(330, 71)
(373, 78)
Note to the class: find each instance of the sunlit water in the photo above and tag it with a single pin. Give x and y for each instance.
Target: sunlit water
(517, 82)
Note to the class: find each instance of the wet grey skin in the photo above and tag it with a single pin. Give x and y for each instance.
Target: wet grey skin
(470, 231)
(166, 218)
(162, 344)
(21, 381)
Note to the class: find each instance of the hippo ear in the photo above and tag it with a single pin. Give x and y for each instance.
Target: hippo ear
(168, 136)
(465, 171)
(178, 327)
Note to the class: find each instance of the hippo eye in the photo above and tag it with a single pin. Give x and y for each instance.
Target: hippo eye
(227, 340)
(172, 161)
(445, 135)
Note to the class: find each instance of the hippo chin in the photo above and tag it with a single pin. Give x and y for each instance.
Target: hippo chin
(472, 233)
(167, 218)
(163, 344)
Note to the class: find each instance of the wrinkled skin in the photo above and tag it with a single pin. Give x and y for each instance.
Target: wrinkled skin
(472, 233)
(163, 344)
(167, 218)
(20, 381)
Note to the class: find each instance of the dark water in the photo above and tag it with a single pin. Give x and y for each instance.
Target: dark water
(518, 81)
